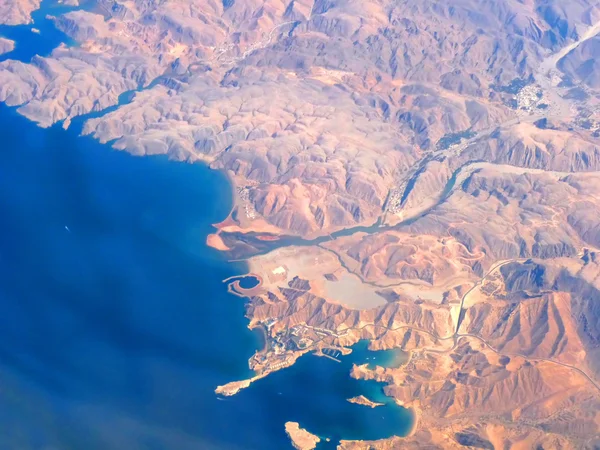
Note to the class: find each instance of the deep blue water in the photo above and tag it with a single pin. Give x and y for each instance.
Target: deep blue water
(248, 282)
(28, 43)
(115, 331)
(115, 326)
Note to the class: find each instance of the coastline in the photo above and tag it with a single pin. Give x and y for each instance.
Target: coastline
(139, 209)
(262, 336)
(416, 420)
(233, 287)
(239, 269)
(486, 158)
(230, 389)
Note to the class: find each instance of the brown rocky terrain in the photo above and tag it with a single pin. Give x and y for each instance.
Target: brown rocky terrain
(6, 45)
(581, 64)
(487, 436)
(16, 12)
(419, 174)
(475, 384)
(301, 439)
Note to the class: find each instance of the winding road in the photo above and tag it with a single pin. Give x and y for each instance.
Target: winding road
(544, 81)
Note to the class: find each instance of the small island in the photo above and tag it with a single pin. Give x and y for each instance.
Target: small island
(362, 400)
(301, 439)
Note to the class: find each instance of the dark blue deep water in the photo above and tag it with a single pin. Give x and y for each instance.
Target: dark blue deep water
(29, 43)
(115, 326)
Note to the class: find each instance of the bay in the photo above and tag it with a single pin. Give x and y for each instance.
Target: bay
(115, 326)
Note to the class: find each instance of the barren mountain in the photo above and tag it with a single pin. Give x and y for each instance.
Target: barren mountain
(16, 12)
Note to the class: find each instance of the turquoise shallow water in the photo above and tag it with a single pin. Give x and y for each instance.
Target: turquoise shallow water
(115, 327)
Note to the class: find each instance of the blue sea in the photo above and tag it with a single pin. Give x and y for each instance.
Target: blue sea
(115, 326)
